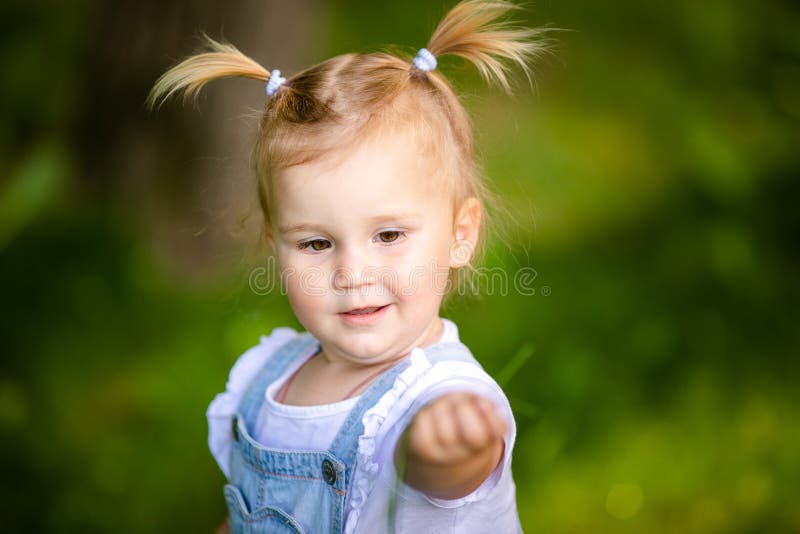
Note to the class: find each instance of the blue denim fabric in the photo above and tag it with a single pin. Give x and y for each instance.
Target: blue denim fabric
(299, 491)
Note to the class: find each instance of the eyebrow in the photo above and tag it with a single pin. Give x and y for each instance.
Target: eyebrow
(377, 219)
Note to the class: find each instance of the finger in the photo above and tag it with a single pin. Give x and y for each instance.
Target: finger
(422, 440)
(496, 422)
(445, 424)
(473, 427)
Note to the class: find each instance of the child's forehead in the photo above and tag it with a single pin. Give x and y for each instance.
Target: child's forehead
(387, 164)
(361, 188)
(393, 161)
(383, 178)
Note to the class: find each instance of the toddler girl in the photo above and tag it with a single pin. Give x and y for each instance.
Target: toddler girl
(377, 418)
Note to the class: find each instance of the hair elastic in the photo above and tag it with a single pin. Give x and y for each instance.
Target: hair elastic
(275, 81)
(425, 61)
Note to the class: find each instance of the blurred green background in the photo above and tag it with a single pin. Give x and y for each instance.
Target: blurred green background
(650, 178)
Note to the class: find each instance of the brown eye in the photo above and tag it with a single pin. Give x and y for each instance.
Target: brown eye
(316, 245)
(389, 236)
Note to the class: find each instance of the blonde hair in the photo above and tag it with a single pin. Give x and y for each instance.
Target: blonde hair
(342, 100)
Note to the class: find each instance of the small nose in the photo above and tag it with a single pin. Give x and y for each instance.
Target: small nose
(353, 269)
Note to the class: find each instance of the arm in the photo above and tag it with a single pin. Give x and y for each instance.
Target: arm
(451, 446)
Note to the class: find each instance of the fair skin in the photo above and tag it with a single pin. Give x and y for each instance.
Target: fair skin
(365, 242)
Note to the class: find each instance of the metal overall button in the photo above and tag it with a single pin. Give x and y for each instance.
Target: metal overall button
(235, 428)
(328, 472)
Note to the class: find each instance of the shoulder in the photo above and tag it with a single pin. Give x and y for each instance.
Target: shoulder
(249, 363)
(221, 410)
(426, 378)
(433, 379)
(254, 358)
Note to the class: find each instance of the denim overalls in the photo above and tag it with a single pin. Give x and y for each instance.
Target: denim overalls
(301, 491)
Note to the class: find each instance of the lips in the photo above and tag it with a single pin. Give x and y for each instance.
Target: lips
(363, 316)
(364, 311)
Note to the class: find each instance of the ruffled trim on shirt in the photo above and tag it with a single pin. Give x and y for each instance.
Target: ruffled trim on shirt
(367, 469)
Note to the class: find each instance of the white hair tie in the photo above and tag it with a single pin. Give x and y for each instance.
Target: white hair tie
(425, 61)
(275, 81)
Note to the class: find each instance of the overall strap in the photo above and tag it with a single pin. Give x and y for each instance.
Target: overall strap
(274, 367)
(345, 444)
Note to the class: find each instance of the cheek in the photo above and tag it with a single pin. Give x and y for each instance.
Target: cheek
(423, 274)
(305, 285)
(298, 268)
(306, 301)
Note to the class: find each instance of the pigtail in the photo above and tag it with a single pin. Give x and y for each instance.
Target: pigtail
(473, 30)
(221, 60)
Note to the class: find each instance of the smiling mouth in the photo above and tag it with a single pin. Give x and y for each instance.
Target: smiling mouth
(365, 311)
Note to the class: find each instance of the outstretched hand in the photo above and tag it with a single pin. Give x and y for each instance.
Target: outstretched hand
(452, 445)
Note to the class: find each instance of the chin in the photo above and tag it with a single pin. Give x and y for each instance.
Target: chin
(366, 352)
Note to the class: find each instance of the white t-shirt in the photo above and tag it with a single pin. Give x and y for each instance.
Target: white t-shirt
(491, 507)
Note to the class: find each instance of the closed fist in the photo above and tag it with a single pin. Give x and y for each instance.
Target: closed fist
(454, 428)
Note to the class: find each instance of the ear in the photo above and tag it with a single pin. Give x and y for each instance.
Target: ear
(466, 229)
